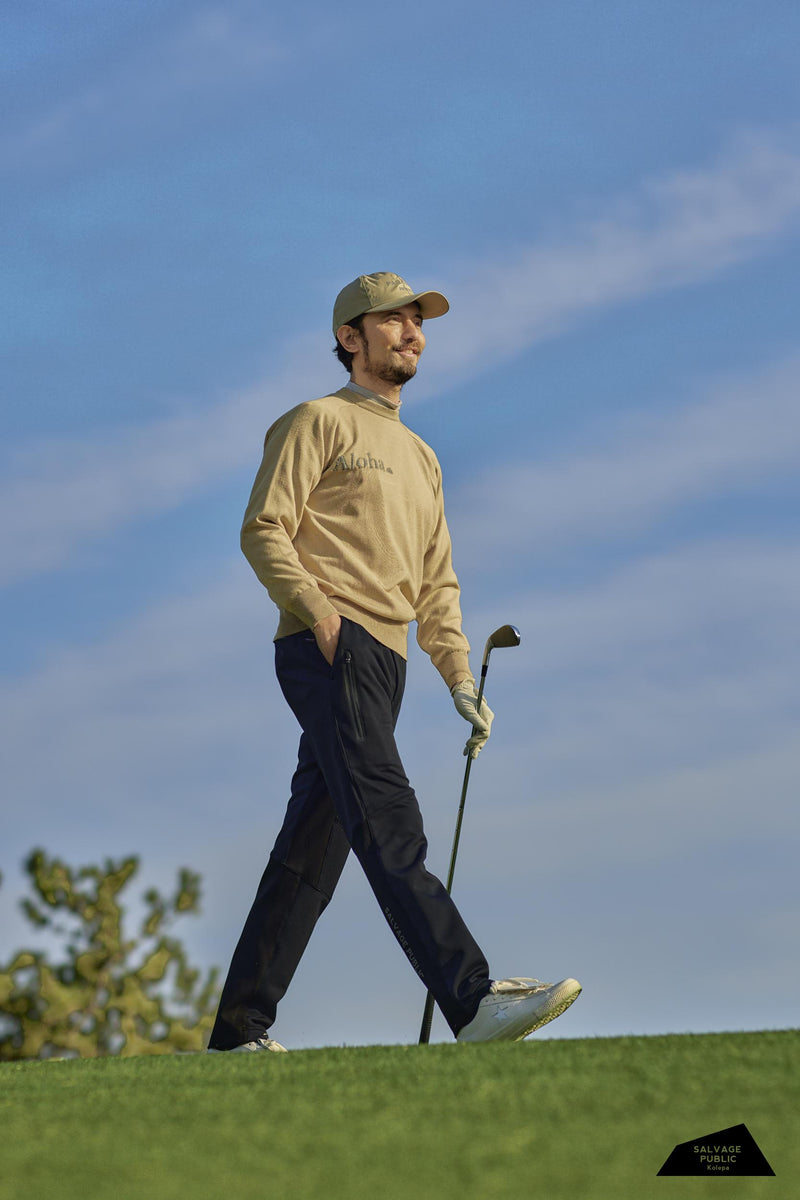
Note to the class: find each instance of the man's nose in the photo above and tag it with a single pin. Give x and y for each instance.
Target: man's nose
(411, 331)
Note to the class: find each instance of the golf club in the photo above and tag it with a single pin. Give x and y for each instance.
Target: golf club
(506, 635)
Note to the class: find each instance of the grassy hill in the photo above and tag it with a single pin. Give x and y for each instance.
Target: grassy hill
(573, 1119)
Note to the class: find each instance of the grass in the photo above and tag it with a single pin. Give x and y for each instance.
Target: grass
(573, 1119)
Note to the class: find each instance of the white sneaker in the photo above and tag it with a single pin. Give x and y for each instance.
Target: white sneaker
(515, 1007)
(262, 1043)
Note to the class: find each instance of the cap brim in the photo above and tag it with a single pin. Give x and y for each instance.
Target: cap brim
(431, 304)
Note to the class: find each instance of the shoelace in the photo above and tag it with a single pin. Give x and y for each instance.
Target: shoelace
(502, 987)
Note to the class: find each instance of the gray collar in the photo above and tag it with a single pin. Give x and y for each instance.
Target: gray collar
(368, 395)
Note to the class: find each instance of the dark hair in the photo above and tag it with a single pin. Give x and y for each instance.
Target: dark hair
(345, 357)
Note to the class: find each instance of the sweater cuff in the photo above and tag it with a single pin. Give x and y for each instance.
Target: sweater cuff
(455, 668)
(312, 606)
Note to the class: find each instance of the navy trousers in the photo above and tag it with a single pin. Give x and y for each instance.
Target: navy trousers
(349, 792)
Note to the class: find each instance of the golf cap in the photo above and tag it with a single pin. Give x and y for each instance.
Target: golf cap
(381, 292)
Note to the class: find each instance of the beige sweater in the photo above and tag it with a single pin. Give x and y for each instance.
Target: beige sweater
(346, 516)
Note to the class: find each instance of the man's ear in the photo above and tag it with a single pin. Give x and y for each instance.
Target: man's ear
(349, 338)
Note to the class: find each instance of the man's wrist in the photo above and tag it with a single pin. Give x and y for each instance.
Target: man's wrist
(324, 623)
(453, 666)
(311, 606)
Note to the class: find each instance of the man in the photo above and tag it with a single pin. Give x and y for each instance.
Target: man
(346, 530)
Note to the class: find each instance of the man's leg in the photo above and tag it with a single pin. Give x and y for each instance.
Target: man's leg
(348, 713)
(298, 882)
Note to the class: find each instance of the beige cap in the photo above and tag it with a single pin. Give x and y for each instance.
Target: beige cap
(382, 292)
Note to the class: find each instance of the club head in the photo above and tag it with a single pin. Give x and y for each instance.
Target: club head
(506, 635)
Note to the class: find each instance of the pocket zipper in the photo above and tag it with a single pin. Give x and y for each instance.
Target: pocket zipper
(351, 693)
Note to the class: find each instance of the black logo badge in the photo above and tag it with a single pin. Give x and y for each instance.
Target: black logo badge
(728, 1152)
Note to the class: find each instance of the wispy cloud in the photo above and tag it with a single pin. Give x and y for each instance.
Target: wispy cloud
(214, 48)
(742, 433)
(180, 690)
(676, 230)
(60, 495)
(681, 229)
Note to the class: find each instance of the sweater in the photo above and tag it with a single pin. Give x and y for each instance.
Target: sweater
(346, 516)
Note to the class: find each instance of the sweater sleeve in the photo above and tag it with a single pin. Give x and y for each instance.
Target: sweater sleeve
(438, 607)
(293, 462)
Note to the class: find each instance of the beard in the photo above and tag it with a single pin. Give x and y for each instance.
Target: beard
(396, 372)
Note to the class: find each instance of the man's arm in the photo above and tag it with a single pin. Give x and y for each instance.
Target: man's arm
(293, 462)
(438, 607)
(439, 633)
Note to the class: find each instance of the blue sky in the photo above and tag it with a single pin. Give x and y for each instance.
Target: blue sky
(610, 196)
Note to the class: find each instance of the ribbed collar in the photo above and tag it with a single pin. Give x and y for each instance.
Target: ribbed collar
(372, 401)
(368, 395)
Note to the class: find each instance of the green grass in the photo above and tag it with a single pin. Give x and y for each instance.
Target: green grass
(573, 1119)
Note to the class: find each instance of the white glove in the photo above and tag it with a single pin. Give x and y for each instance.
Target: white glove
(465, 695)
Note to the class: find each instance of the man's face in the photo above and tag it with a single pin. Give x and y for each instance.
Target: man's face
(390, 344)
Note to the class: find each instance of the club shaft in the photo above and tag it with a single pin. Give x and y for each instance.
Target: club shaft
(427, 1015)
(460, 817)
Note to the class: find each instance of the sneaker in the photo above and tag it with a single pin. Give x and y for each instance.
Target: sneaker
(262, 1043)
(515, 1007)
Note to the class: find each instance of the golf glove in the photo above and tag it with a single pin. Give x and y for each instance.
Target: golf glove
(465, 695)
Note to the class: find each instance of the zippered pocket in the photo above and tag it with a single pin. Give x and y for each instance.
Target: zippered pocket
(351, 695)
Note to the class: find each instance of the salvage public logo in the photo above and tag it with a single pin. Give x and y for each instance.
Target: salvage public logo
(728, 1152)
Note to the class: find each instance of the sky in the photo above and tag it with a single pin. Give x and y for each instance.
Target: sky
(609, 195)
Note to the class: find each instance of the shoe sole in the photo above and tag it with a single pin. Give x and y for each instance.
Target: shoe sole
(567, 993)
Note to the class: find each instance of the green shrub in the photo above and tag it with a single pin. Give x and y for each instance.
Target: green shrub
(107, 994)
